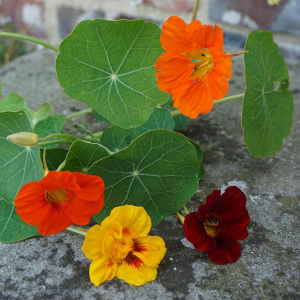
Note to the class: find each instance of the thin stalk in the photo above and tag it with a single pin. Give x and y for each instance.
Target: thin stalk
(185, 209)
(229, 98)
(180, 217)
(95, 135)
(61, 166)
(195, 10)
(55, 142)
(58, 135)
(30, 39)
(85, 111)
(79, 231)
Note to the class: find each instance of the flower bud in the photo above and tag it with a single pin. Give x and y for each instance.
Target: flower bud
(273, 2)
(24, 138)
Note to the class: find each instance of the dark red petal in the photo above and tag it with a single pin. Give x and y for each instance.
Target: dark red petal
(232, 204)
(212, 201)
(196, 234)
(227, 250)
(236, 228)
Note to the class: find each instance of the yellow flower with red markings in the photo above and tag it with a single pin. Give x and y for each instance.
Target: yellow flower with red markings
(121, 247)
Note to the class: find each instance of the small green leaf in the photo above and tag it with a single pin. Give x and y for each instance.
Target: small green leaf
(267, 112)
(14, 102)
(109, 65)
(50, 125)
(12, 228)
(18, 164)
(99, 118)
(200, 158)
(181, 122)
(115, 138)
(82, 155)
(159, 171)
(54, 157)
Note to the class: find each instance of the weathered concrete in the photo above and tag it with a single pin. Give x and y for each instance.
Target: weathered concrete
(55, 268)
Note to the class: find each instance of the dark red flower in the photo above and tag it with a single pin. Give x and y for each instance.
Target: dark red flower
(218, 224)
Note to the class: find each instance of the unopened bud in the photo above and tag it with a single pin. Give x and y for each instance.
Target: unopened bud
(273, 2)
(24, 138)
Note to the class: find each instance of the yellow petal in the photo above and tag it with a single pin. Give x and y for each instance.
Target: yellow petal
(102, 269)
(153, 250)
(134, 220)
(92, 246)
(134, 275)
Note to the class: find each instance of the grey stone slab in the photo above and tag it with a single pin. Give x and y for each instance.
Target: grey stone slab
(55, 268)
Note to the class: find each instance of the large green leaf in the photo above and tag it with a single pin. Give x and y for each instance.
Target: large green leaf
(200, 157)
(82, 155)
(109, 65)
(54, 157)
(18, 164)
(115, 138)
(12, 228)
(267, 111)
(14, 102)
(158, 171)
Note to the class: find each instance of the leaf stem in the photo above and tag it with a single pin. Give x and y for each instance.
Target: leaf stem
(180, 217)
(77, 230)
(185, 209)
(28, 38)
(176, 113)
(57, 135)
(85, 111)
(55, 142)
(195, 10)
(95, 135)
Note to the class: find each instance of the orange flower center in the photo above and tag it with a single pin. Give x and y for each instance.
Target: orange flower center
(211, 226)
(57, 195)
(203, 62)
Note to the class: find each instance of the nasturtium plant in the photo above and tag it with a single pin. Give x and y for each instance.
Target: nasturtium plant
(158, 171)
(267, 110)
(109, 65)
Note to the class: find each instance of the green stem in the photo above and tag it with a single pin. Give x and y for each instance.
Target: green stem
(79, 231)
(86, 111)
(58, 135)
(29, 38)
(175, 113)
(61, 166)
(195, 10)
(229, 98)
(95, 135)
(55, 142)
(180, 217)
(185, 209)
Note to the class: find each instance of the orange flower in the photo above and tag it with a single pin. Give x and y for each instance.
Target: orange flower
(59, 200)
(195, 69)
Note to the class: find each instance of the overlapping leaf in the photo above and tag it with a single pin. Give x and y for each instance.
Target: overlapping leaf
(82, 155)
(267, 112)
(109, 65)
(158, 171)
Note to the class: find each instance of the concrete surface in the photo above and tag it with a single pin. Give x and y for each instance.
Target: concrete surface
(55, 268)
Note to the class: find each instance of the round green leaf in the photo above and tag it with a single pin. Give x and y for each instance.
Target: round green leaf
(159, 171)
(267, 111)
(109, 65)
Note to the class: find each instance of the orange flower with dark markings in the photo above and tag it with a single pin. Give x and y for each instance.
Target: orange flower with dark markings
(194, 68)
(218, 224)
(60, 199)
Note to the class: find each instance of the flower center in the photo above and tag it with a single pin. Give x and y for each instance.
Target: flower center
(203, 62)
(211, 226)
(57, 195)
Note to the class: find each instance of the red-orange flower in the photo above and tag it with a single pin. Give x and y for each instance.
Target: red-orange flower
(194, 68)
(60, 199)
(218, 224)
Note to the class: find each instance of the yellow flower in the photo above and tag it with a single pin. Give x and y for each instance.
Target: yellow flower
(121, 247)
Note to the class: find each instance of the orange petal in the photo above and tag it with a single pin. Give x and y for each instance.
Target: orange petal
(91, 186)
(203, 35)
(172, 70)
(177, 35)
(222, 62)
(59, 179)
(216, 84)
(192, 98)
(216, 38)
